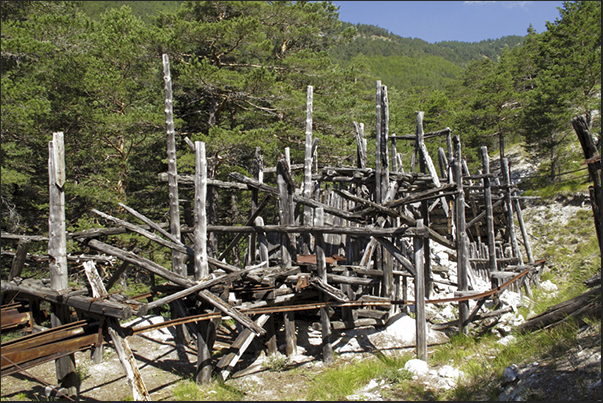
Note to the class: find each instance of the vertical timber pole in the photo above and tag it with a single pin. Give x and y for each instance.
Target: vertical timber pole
(462, 249)
(509, 205)
(489, 213)
(258, 173)
(378, 124)
(386, 259)
(57, 251)
(321, 268)
(307, 191)
(203, 370)
(425, 204)
(420, 296)
(178, 265)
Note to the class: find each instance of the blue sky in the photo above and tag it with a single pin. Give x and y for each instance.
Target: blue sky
(466, 21)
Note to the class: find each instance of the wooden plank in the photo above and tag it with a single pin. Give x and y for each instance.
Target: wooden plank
(228, 362)
(96, 283)
(231, 311)
(85, 304)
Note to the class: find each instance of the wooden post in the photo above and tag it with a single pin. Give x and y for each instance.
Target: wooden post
(423, 162)
(258, 172)
(178, 265)
(19, 259)
(509, 212)
(307, 190)
(522, 227)
(98, 291)
(290, 336)
(285, 190)
(489, 214)
(360, 144)
(57, 251)
(461, 235)
(378, 155)
(384, 136)
(420, 295)
(201, 261)
(203, 369)
(589, 149)
(321, 268)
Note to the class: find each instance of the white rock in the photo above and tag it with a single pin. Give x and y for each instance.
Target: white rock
(416, 366)
(505, 341)
(548, 286)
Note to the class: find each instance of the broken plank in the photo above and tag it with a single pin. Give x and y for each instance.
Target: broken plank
(238, 348)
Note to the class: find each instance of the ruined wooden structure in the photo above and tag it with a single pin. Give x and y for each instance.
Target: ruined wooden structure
(348, 243)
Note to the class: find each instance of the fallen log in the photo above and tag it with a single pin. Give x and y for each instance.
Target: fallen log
(577, 308)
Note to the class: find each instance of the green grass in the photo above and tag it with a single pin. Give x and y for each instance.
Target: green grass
(345, 379)
(216, 390)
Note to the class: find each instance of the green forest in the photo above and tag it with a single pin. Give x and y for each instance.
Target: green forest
(240, 72)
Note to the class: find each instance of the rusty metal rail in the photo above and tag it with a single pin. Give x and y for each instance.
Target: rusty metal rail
(48, 345)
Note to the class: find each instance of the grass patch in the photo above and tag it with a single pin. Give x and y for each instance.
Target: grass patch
(345, 379)
(217, 390)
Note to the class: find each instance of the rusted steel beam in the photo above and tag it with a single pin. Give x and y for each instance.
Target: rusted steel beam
(14, 318)
(71, 345)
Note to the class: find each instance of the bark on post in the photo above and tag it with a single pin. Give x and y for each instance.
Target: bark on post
(420, 296)
(307, 191)
(378, 160)
(258, 172)
(284, 183)
(57, 251)
(423, 162)
(178, 265)
(594, 169)
(201, 261)
(509, 212)
(19, 259)
(321, 268)
(203, 369)
(461, 235)
(489, 213)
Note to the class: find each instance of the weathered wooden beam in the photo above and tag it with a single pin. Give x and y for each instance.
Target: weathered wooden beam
(85, 304)
(228, 362)
(298, 199)
(139, 390)
(250, 221)
(231, 311)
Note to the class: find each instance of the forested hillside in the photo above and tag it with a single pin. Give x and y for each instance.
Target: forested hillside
(240, 72)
